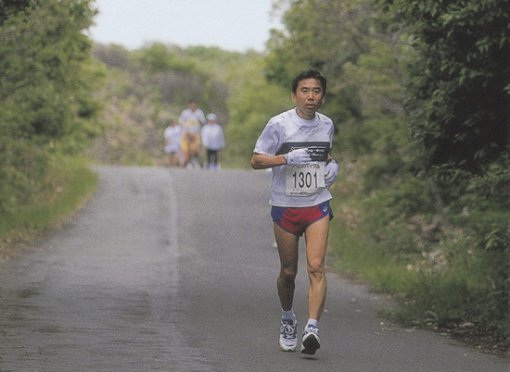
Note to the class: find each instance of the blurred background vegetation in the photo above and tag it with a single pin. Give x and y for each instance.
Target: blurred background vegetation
(419, 91)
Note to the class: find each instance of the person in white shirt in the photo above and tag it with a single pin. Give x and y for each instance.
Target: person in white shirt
(296, 145)
(191, 121)
(172, 137)
(213, 141)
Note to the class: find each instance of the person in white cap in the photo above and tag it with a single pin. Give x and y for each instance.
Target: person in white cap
(213, 141)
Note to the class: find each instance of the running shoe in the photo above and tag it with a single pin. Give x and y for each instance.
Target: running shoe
(311, 340)
(288, 336)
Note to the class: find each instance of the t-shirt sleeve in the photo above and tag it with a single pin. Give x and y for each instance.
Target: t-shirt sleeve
(268, 141)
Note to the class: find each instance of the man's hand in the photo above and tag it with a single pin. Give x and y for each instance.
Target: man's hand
(299, 156)
(330, 172)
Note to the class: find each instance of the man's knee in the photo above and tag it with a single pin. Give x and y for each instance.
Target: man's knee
(288, 275)
(316, 269)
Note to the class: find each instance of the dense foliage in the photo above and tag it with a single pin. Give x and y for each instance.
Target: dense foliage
(45, 90)
(459, 99)
(461, 79)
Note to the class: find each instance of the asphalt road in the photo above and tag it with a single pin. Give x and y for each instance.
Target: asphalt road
(174, 270)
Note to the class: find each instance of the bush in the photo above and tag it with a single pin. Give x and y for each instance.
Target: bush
(63, 187)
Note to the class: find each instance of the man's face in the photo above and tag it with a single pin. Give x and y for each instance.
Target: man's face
(308, 98)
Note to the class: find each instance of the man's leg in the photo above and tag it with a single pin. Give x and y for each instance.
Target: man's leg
(288, 251)
(214, 158)
(316, 245)
(185, 151)
(195, 150)
(174, 159)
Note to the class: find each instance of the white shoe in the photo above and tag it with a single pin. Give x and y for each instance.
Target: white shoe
(288, 335)
(311, 340)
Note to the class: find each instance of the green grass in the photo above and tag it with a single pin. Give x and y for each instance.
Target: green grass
(68, 184)
(463, 298)
(355, 255)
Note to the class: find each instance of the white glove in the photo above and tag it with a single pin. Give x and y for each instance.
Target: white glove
(330, 172)
(299, 156)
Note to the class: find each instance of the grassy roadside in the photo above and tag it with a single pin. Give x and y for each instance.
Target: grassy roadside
(449, 290)
(67, 186)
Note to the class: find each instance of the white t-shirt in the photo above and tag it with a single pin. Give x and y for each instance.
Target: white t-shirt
(212, 136)
(191, 121)
(172, 135)
(297, 186)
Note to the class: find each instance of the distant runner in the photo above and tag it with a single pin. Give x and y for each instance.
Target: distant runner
(172, 136)
(191, 121)
(213, 141)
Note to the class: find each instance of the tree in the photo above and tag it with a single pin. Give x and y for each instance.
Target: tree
(9, 7)
(42, 56)
(460, 93)
(458, 100)
(324, 35)
(45, 87)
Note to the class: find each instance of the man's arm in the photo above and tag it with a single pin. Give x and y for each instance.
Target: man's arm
(263, 161)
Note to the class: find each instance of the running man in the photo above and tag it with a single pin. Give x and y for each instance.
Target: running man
(296, 144)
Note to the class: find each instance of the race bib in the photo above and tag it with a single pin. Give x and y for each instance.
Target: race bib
(304, 179)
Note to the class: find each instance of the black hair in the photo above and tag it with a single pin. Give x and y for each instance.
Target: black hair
(309, 74)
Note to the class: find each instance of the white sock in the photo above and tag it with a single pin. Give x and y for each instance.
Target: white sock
(313, 323)
(288, 315)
